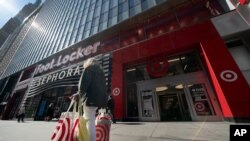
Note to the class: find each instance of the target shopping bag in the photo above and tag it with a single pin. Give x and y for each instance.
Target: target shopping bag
(71, 127)
(103, 125)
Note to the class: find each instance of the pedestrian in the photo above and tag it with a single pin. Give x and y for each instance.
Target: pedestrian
(20, 114)
(56, 113)
(92, 90)
(50, 112)
(111, 106)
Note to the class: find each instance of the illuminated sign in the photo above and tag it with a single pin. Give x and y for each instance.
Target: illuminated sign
(70, 57)
(58, 76)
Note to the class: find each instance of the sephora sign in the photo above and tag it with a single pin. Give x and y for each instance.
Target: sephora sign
(60, 60)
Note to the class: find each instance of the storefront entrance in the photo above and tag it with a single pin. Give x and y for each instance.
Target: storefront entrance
(177, 98)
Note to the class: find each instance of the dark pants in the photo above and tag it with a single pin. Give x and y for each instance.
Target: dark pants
(20, 117)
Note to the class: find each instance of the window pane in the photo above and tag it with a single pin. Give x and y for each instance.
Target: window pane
(105, 7)
(123, 16)
(95, 21)
(144, 4)
(104, 17)
(113, 3)
(113, 12)
(133, 3)
(123, 7)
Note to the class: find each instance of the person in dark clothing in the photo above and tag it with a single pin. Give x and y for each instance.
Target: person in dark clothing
(92, 90)
(111, 106)
(20, 114)
(50, 112)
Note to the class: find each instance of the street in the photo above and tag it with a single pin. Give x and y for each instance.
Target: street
(124, 131)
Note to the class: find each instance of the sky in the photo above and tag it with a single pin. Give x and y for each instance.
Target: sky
(9, 9)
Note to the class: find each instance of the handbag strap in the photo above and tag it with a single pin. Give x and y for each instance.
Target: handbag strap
(73, 102)
(80, 106)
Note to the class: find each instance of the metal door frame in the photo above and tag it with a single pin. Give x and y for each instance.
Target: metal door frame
(185, 79)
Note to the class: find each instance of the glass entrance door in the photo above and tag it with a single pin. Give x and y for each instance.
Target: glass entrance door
(173, 104)
(179, 98)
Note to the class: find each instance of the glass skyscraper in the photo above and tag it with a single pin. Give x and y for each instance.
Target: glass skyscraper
(61, 23)
(163, 60)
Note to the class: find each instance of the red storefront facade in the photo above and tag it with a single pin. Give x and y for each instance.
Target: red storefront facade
(230, 87)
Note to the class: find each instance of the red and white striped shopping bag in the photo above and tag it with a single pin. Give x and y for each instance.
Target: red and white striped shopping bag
(103, 125)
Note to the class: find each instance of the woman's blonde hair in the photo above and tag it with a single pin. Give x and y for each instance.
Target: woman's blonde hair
(89, 62)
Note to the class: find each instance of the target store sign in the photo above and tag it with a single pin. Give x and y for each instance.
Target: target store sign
(228, 76)
(116, 91)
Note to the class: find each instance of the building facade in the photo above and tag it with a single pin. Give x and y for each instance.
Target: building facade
(164, 60)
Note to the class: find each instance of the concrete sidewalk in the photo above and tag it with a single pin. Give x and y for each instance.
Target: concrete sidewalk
(124, 131)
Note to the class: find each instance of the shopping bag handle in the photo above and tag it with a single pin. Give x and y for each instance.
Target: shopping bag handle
(73, 102)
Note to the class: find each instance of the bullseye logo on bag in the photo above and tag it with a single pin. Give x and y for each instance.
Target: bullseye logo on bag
(239, 132)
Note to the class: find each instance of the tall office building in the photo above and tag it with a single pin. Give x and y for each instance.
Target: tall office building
(164, 60)
(16, 21)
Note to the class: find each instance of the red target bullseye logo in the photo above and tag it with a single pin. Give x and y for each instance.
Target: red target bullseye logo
(199, 106)
(101, 133)
(228, 75)
(116, 91)
(157, 68)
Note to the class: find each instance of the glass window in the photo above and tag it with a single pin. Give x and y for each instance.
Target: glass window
(123, 16)
(94, 30)
(144, 4)
(105, 7)
(79, 37)
(88, 25)
(103, 26)
(83, 20)
(113, 12)
(104, 17)
(159, 1)
(95, 21)
(81, 29)
(113, 3)
(135, 10)
(112, 21)
(74, 33)
(77, 23)
(190, 63)
(163, 67)
(98, 2)
(132, 102)
(200, 99)
(92, 7)
(241, 54)
(97, 11)
(123, 7)
(121, 1)
(90, 15)
(133, 3)
(86, 34)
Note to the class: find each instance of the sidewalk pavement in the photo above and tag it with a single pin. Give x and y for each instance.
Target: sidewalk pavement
(124, 131)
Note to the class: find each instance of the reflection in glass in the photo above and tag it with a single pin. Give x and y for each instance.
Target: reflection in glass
(173, 104)
(132, 104)
(176, 65)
